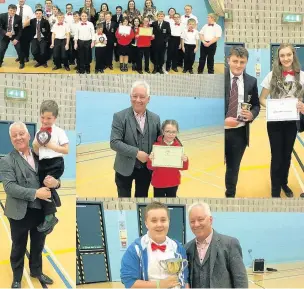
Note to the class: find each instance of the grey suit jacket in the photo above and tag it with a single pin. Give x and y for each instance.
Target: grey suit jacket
(227, 269)
(20, 183)
(124, 141)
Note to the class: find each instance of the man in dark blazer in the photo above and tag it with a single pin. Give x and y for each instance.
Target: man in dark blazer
(109, 29)
(18, 172)
(40, 39)
(162, 33)
(134, 131)
(215, 260)
(240, 88)
(11, 31)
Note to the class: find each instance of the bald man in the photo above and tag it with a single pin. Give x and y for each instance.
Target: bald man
(215, 260)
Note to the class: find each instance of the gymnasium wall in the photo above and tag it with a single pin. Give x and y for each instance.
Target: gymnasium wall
(200, 9)
(49, 87)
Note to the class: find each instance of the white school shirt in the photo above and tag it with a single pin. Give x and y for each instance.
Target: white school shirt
(68, 18)
(185, 19)
(85, 32)
(155, 271)
(240, 84)
(210, 32)
(168, 19)
(176, 30)
(98, 43)
(61, 30)
(283, 94)
(73, 28)
(59, 137)
(52, 20)
(27, 12)
(190, 37)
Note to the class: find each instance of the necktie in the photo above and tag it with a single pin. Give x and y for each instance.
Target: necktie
(160, 24)
(48, 129)
(210, 24)
(158, 247)
(10, 24)
(21, 11)
(285, 73)
(38, 31)
(108, 26)
(233, 99)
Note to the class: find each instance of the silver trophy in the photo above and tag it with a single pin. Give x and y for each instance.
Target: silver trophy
(175, 266)
(244, 106)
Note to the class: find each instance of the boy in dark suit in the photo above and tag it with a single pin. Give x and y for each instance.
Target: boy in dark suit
(109, 29)
(40, 29)
(118, 19)
(162, 32)
(11, 30)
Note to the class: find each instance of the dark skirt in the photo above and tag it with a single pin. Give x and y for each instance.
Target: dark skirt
(123, 50)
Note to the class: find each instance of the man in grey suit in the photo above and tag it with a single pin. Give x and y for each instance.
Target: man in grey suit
(134, 130)
(215, 260)
(18, 172)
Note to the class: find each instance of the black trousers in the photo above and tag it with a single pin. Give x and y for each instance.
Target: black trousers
(109, 53)
(189, 56)
(159, 55)
(53, 167)
(40, 50)
(235, 145)
(84, 54)
(116, 54)
(100, 58)
(142, 179)
(60, 55)
(72, 54)
(207, 53)
(19, 234)
(165, 192)
(172, 53)
(25, 41)
(134, 55)
(3, 47)
(180, 58)
(282, 136)
(144, 52)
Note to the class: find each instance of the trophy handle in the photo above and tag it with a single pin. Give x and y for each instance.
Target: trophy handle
(184, 264)
(161, 262)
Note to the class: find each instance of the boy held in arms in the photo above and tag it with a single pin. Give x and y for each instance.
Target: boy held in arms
(50, 143)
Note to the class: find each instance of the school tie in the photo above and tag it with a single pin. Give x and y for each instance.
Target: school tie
(21, 11)
(158, 247)
(10, 24)
(160, 24)
(108, 26)
(38, 31)
(233, 99)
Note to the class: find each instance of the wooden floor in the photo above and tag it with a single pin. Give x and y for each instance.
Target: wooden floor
(10, 66)
(59, 261)
(289, 275)
(204, 147)
(254, 177)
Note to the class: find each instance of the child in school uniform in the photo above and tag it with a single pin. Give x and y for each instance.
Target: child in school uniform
(73, 55)
(144, 46)
(190, 43)
(134, 52)
(53, 17)
(123, 41)
(166, 180)
(100, 49)
(60, 43)
(68, 17)
(101, 18)
(174, 43)
(84, 42)
(140, 264)
(51, 161)
(109, 28)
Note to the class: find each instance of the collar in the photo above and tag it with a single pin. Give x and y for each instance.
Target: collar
(22, 154)
(141, 115)
(206, 241)
(150, 241)
(241, 77)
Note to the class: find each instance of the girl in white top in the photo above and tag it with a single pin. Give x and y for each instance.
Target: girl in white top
(53, 18)
(170, 17)
(286, 80)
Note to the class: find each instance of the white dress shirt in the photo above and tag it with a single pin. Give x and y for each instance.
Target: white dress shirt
(73, 28)
(210, 32)
(61, 30)
(26, 14)
(190, 37)
(68, 18)
(85, 32)
(97, 42)
(176, 30)
(185, 19)
(168, 19)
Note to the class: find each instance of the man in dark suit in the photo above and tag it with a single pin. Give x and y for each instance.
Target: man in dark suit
(215, 260)
(162, 33)
(40, 34)
(11, 30)
(117, 18)
(134, 131)
(18, 172)
(239, 88)
(109, 29)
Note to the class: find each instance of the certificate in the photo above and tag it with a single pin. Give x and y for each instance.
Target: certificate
(148, 31)
(167, 156)
(282, 109)
(124, 29)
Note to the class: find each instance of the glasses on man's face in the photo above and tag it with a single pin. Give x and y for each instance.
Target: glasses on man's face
(170, 132)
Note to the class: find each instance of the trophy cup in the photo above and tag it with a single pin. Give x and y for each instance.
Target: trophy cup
(175, 266)
(43, 137)
(244, 106)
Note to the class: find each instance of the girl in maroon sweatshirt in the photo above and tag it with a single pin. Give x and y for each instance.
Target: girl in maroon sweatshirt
(166, 180)
(124, 41)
